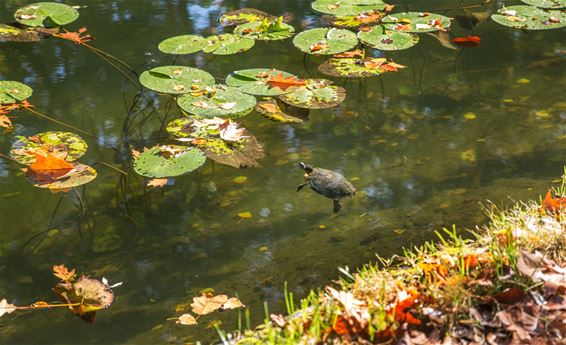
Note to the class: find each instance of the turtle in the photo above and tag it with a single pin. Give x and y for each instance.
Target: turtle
(328, 183)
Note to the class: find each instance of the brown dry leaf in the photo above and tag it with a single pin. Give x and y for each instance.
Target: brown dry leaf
(5, 307)
(135, 153)
(539, 268)
(232, 303)
(507, 319)
(157, 182)
(5, 121)
(269, 107)
(187, 319)
(63, 273)
(278, 319)
(205, 305)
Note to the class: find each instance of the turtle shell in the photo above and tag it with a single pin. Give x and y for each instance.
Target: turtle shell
(329, 183)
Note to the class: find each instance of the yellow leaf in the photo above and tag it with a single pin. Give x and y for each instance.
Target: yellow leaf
(470, 116)
(542, 114)
(468, 156)
(262, 249)
(180, 307)
(232, 303)
(245, 215)
(187, 319)
(205, 305)
(523, 81)
(240, 180)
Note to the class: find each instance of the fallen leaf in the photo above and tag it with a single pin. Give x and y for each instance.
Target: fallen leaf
(5, 307)
(205, 305)
(229, 131)
(135, 153)
(278, 319)
(49, 166)
(76, 37)
(228, 105)
(63, 273)
(467, 41)
(245, 215)
(157, 182)
(470, 116)
(5, 121)
(523, 81)
(186, 319)
(353, 54)
(551, 204)
(284, 83)
(240, 179)
(232, 303)
(269, 107)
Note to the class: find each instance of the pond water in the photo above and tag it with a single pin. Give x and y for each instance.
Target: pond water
(424, 147)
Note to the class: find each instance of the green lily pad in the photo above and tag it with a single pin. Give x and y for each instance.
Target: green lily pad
(13, 91)
(381, 38)
(416, 22)
(239, 154)
(529, 18)
(62, 144)
(368, 18)
(243, 15)
(325, 41)
(552, 4)
(175, 79)
(227, 44)
(218, 100)
(168, 160)
(265, 30)
(357, 68)
(47, 14)
(254, 81)
(317, 94)
(184, 44)
(80, 175)
(346, 8)
(281, 112)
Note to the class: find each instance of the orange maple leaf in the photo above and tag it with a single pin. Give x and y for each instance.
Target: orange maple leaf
(49, 167)
(553, 205)
(76, 37)
(467, 41)
(284, 83)
(63, 273)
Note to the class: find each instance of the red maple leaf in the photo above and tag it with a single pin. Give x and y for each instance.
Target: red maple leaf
(76, 37)
(467, 41)
(284, 83)
(553, 205)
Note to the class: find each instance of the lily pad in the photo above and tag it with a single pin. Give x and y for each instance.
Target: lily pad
(281, 112)
(168, 160)
(175, 79)
(80, 175)
(217, 100)
(529, 18)
(239, 154)
(47, 14)
(265, 30)
(368, 18)
(325, 41)
(316, 94)
(347, 7)
(184, 44)
(552, 4)
(243, 15)
(227, 44)
(416, 22)
(357, 68)
(254, 81)
(13, 91)
(381, 38)
(61, 144)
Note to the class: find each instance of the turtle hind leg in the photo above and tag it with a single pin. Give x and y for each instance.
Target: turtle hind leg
(337, 205)
(301, 186)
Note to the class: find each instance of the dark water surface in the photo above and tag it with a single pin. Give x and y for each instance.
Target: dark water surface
(408, 142)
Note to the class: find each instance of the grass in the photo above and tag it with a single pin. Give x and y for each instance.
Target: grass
(451, 288)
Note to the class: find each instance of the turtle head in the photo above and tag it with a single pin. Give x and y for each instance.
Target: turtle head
(307, 168)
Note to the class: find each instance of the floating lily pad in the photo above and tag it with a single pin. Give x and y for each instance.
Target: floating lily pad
(218, 100)
(368, 18)
(416, 22)
(47, 14)
(175, 79)
(61, 144)
(529, 18)
(227, 44)
(552, 4)
(80, 175)
(239, 154)
(325, 41)
(184, 44)
(281, 112)
(346, 8)
(381, 38)
(254, 81)
(243, 15)
(317, 94)
(13, 91)
(168, 160)
(265, 30)
(357, 68)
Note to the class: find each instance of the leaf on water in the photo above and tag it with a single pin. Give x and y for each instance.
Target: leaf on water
(240, 179)
(5, 307)
(467, 41)
(157, 182)
(232, 303)
(63, 273)
(49, 167)
(135, 153)
(245, 215)
(284, 83)
(186, 319)
(5, 121)
(205, 305)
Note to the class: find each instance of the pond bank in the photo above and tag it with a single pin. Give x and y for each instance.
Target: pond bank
(507, 285)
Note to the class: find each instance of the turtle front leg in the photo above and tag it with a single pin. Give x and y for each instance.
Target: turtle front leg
(337, 205)
(301, 186)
